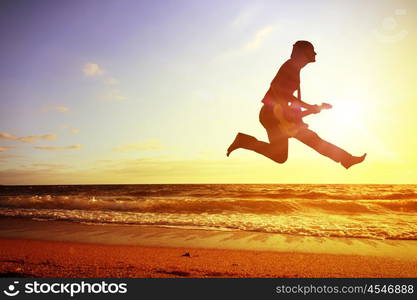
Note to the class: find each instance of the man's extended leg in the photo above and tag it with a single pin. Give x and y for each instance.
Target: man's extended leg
(311, 139)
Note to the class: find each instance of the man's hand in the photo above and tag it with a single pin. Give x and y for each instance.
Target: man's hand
(326, 106)
(318, 108)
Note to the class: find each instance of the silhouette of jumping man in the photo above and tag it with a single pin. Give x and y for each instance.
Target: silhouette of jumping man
(281, 115)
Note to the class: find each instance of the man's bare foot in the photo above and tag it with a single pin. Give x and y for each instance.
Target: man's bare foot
(235, 145)
(353, 160)
(240, 139)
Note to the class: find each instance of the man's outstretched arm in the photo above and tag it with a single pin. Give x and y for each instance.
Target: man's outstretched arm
(280, 91)
(303, 104)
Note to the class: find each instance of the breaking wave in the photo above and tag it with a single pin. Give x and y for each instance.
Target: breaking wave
(368, 211)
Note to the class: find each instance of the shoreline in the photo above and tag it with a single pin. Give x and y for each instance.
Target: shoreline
(159, 236)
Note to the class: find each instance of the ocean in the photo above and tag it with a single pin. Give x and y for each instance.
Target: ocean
(349, 211)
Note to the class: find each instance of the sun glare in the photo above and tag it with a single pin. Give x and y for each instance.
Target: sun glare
(347, 119)
(351, 113)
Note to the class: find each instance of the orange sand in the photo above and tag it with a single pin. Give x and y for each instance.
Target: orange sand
(33, 258)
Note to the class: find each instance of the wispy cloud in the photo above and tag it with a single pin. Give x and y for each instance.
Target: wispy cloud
(60, 108)
(27, 139)
(126, 171)
(113, 95)
(7, 136)
(6, 157)
(74, 130)
(6, 148)
(70, 129)
(152, 170)
(33, 138)
(245, 17)
(149, 144)
(49, 166)
(259, 37)
(110, 81)
(253, 42)
(105, 161)
(92, 70)
(33, 175)
(52, 148)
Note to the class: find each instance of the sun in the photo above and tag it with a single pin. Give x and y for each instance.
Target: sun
(351, 113)
(346, 120)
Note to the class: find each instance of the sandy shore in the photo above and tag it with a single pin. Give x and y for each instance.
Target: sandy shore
(31, 248)
(31, 258)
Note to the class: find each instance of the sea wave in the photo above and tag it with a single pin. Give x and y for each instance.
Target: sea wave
(212, 206)
(310, 224)
(368, 211)
(221, 191)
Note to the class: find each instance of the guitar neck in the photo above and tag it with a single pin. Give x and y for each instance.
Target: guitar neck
(309, 111)
(306, 113)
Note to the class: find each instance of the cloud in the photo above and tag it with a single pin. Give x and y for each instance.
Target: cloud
(49, 166)
(72, 147)
(70, 129)
(110, 81)
(113, 95)
(6, 148)
(253, 42)
(259, 38)
(27, 176)
(60, 108)
(168, 170)
(32, 138)
(92, 70)
(27, 139)
(149, 144)
(7, 136)
(125, 171)
(5, 157)
(74, 130)
(246, 17)
(105, 161)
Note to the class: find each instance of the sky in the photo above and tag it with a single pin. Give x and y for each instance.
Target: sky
(120, 92)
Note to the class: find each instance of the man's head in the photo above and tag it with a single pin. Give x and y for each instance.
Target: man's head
(303, 52)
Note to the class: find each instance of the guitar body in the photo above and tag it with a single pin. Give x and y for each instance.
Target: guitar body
(291, 117)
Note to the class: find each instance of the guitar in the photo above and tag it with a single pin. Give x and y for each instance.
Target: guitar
(291, 118)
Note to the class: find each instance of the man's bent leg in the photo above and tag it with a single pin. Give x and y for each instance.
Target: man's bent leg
(278, 145)
(277, 150)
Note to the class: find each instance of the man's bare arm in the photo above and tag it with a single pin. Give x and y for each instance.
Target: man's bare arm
(280, 92)
(303, 104)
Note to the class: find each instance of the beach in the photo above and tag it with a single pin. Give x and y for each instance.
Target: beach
(32, 248)
(208, 230)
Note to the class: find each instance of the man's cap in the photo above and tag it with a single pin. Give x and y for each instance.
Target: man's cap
(303, 45)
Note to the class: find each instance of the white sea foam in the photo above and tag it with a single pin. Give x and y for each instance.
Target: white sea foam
(371, 211)
(314, 224)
